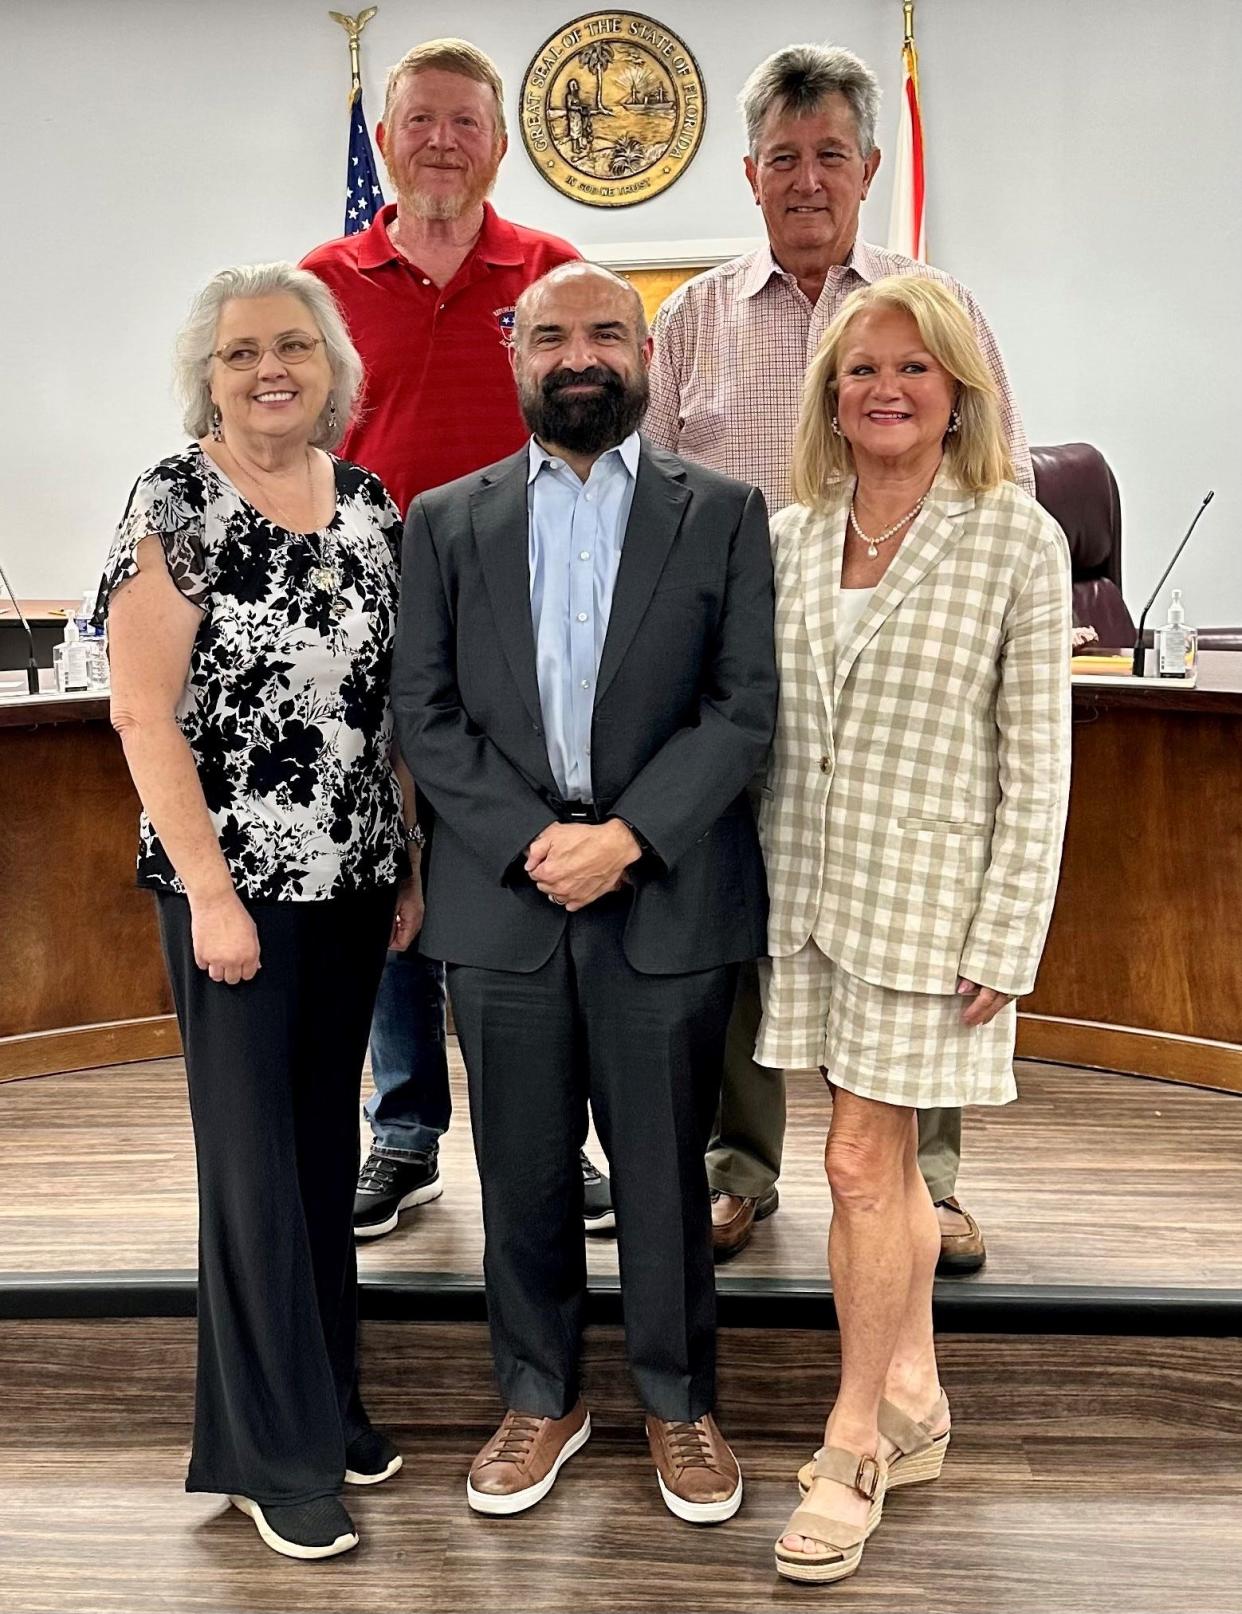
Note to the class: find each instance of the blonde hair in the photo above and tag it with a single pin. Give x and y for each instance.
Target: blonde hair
(448, 56)
(976, 453)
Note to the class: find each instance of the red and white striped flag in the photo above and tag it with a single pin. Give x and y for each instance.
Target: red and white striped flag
(906, 232)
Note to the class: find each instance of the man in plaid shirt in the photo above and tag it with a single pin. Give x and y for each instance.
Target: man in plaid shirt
(731, 347)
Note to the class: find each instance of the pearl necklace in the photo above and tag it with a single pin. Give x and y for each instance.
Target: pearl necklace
(882, 537)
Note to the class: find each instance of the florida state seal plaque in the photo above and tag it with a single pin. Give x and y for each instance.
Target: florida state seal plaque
(612, 109)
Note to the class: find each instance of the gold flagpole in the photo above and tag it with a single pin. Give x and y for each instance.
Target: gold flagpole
(908, 13)
(353, 26)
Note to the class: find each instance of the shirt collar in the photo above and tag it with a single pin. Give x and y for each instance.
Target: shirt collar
(497, 244)
(762, 266)
(627, 451)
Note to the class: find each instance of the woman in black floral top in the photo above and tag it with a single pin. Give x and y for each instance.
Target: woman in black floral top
(251, 595)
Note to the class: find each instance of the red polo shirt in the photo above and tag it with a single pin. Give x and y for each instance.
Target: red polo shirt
(439, 399)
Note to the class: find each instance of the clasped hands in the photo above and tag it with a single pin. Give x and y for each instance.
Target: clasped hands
(573, 864)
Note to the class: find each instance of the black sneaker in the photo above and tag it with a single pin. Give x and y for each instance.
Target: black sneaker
(318, 1529)
(387, 1186)
(597, 1212)
(370, 1458)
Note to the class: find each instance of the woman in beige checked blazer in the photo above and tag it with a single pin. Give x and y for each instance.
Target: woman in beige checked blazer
(912, 830)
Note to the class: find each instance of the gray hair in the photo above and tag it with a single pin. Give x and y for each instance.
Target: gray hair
(799, 78)
(196, 342)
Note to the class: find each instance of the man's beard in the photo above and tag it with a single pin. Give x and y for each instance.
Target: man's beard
(591, 422)
(435, 205)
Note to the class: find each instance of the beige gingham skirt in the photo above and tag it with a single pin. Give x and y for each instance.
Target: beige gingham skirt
(907, 1048)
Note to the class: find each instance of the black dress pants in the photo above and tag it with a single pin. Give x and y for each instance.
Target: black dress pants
(274, 1068)
(647, 1051)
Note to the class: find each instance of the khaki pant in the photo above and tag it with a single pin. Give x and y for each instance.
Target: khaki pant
(744, 1155)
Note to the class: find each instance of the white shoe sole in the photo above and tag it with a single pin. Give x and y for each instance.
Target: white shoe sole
(600, 1224)
(291, 1549)
(351, 1478)
(519, 1501)
(701, 1512)
(416, 1196)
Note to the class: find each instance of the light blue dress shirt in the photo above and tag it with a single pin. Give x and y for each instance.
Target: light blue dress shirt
(575, 534)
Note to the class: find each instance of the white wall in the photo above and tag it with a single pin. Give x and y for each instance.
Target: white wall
(1083, 181)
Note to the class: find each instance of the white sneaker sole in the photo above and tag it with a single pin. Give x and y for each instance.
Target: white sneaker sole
(291, 1549)
(600, 1224)
(519, 1501)
(416, 1196)
(352, 1478)
(701, 1512)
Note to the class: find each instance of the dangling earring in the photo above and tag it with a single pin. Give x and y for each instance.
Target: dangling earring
(331, 414)
(216, 434)
(955, 420)
(836, 428)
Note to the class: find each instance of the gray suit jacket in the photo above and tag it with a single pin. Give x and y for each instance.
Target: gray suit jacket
(685, 706)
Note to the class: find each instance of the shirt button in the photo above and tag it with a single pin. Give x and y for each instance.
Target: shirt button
(585, 555)
(825, 764)
(582, 616)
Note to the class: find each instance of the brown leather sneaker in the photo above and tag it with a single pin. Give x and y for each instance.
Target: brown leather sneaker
(698, 1474)
(519, 1464)
(959, 1251)
(734, 1218)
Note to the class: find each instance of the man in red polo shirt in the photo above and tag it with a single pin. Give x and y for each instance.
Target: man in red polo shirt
(428, 292)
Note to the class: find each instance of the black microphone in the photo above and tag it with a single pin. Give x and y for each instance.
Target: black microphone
(32, 666)
(1136, 666)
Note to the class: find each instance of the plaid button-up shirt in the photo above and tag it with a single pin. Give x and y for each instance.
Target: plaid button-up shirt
(731, 348)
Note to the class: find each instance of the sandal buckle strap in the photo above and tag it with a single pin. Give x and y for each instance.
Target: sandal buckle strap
(867, 1480)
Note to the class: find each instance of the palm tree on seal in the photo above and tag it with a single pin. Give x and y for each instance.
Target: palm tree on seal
(597, 58)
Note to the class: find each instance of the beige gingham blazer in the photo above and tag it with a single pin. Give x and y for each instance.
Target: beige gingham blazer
(919, 778)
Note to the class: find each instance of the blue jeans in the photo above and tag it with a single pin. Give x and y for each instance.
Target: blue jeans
(410, 1107)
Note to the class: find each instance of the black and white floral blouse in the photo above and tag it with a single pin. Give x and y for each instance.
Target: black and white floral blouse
(286, 704)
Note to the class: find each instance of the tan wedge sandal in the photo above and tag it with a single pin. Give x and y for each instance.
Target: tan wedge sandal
(842, 1543)
(920, 1454)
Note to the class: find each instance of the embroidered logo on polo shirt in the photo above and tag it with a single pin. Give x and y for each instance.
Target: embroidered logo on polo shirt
(504, 319)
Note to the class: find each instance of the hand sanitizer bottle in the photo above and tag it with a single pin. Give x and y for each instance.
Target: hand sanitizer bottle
(69, 661)
(1176, 644)
(95, 645)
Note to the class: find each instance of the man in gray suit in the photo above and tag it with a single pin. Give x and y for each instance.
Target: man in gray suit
(584, 683)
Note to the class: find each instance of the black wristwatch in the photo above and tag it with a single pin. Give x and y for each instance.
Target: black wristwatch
(644, 845)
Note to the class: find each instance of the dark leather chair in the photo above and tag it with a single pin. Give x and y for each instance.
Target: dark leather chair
(1074, 484)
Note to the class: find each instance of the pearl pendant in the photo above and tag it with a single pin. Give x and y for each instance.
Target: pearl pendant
(872, 551)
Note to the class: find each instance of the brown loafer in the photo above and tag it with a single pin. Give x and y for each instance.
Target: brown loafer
(519, 1464)
(960, 1252)
(699, 1476)
(734, 1218)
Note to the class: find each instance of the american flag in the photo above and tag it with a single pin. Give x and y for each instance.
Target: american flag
(363, 197)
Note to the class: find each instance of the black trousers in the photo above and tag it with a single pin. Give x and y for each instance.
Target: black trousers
(274, 1068)
(647, 1051)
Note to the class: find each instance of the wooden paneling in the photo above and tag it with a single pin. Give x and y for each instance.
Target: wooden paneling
(1086, 1476)
(654, 285)
(1146, 932)
(1142, 1053)
(46, 1053)
(1088, 1179)
(78, 944)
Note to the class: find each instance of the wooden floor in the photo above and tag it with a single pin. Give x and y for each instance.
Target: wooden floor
(1086, 1476)
(1087, 1179)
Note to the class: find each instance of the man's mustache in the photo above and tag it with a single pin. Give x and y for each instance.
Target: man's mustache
(596, 376)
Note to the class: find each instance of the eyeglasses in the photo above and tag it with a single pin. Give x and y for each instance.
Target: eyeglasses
(295, 347)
